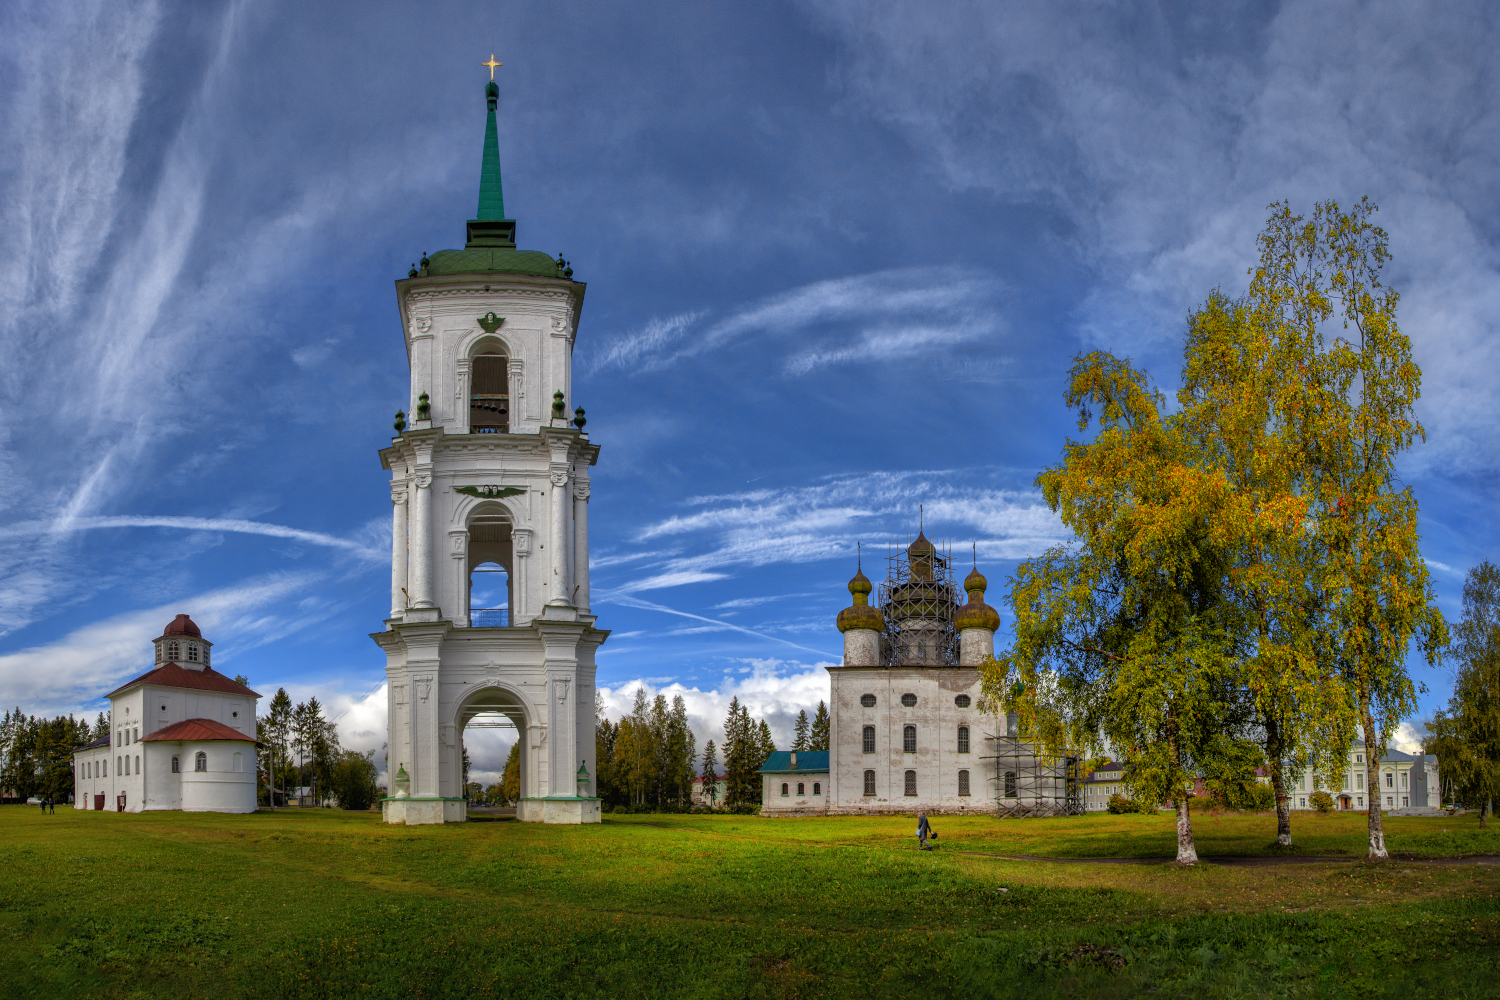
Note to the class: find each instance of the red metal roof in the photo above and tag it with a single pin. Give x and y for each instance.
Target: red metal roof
(198, 729)
(182, 625)
(171, 675)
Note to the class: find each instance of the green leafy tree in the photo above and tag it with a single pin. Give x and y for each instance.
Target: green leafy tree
(1466, 735)
(607, 781)
(510, 778)
(352, 780)
(1126, 638)
(1359, 416)
(800, 734)
(818, 738)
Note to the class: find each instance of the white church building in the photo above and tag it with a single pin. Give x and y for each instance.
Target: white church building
(490, 612)
(182, 736)
(906, 730)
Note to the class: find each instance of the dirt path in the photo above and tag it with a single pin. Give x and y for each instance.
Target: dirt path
(1244, 860)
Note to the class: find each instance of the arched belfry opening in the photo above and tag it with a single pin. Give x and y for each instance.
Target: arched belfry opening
(489, 720)
(491, 567)
(489, 389)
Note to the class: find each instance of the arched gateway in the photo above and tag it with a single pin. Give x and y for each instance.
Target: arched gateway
(489, 535)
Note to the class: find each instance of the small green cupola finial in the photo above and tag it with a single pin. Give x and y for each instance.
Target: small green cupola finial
(490, 227)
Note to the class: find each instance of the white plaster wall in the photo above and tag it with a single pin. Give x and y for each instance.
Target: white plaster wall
(221, 788)
(936, 761)
(772, 801)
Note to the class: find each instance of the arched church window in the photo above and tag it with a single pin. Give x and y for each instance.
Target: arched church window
(489, 395)
(137, 763)
(963, 739)
(909, 739)
(173, 650)
(869, 739)
(192, 652)
(489, 595)
(963, 782)
(200, 762)
(867, 700)
(176, 764)
(1010, 784)
(783, 788)
(817, 788)
(911, 782)
(801, 788)
(118, 769)
(869, 782)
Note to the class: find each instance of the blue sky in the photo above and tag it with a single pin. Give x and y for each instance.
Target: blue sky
(839, 256)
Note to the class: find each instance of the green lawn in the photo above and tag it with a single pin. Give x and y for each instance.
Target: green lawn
(324, 904)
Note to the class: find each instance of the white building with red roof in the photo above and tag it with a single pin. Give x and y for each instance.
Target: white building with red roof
(182, 736)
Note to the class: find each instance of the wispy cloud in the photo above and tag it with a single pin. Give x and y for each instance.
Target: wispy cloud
(880, 317)
(634, 602)
(676, 578)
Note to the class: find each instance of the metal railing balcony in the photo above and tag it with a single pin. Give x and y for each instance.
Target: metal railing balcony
(489, 617)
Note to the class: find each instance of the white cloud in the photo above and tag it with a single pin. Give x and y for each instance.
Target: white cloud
(84, 665)
(676, 578)
(1407, 738)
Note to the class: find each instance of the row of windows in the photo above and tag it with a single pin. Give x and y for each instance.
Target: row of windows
(909, 739)
(1359, 781)
(171, 651)
(817, 788)
(909, 784)
(910, 700)
(125, 737)
(100, 769)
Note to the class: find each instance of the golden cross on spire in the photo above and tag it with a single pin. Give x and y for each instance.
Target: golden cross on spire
(492, 64)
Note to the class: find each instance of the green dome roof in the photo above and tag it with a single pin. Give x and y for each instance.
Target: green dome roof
(860, 615)
(494, 260)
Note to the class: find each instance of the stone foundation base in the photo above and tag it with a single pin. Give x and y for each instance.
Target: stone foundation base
(561, 809)
(418, 811)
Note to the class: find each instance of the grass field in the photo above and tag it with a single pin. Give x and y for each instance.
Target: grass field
(328, 904)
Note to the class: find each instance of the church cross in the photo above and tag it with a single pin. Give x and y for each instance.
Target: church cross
(492, 64)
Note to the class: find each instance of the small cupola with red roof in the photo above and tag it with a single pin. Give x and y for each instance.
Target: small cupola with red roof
(183, 644)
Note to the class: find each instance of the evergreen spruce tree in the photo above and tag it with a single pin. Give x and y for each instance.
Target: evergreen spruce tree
(818, 738)
(710, 773)
(799, 732)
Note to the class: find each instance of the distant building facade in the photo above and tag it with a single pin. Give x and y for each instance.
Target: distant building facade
(182, 736)
(794, 782)
(906, 733)
(714, 793)
(1407, 784)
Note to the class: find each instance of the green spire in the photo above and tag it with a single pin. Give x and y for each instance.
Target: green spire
(490, 227)
(491, 198)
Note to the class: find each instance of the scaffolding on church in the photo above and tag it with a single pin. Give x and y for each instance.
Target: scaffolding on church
(1030, 785)
(918, 598)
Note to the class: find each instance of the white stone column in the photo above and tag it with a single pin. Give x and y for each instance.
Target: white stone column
(517, 396)
(557, 579)
(398, 548)
(421, 542)
(458, 549)
(520, 547)
(581, 542)
(461, 394)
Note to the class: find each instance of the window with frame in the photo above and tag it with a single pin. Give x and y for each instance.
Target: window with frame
(801, 788)
(174, 650)
(869, 782)
(963, 782)
(200, 762)
(817, 788)
(1359, 782)
(1389, 780)
(1404, 778)
(119, 768)
(137, 763)
(176, 764)
(963, 739)
(784, 792)
(868, 741)
(962, 701)
(1010, 784)
(909, 700)
(867, 700)
(911, 782)
(192, 652)
(205, 654)
(909, 739)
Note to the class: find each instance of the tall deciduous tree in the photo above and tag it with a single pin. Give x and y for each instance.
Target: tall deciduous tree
(1126, 639)
(1359, 415)
(1466, 736)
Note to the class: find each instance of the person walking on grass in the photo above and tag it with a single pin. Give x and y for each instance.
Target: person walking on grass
(924, 830)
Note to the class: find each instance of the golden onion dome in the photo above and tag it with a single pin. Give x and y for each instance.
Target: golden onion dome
(976, 614)
(860, 614)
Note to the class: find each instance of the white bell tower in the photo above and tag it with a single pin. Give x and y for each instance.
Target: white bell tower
(489, 529)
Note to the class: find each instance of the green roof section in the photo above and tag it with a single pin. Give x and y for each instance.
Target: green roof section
(491, 195)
